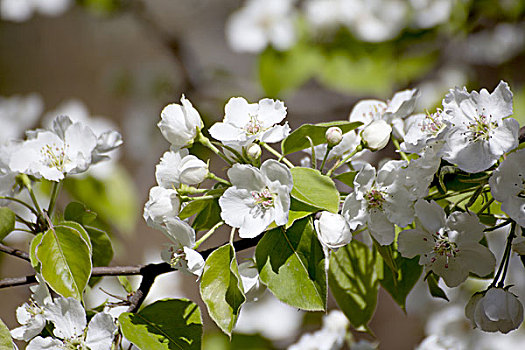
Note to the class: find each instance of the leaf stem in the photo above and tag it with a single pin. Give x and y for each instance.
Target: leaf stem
(212, 176)
(328, 149)
(203, 140)
(504, 264)
(16, 200)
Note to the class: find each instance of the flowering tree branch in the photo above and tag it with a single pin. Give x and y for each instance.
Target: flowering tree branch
(148, 271)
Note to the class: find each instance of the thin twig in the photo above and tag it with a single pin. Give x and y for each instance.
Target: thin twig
(14, 252)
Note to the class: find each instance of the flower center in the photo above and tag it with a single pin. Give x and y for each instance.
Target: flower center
(263, 199)
(481, 127)
(375, 199)
(444, 247)
(254, 126)
(432, 124)
(54, 156)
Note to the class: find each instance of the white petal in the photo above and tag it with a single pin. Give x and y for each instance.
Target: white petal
(380, 227)
(235, 205)
(180, 232)
(68, 316)
(367, 110)
(48, 343)
(276, 171)
(227, 132)
(415, 242)
(247, 177)
(195, 262)
(100, 332)
(430, 215)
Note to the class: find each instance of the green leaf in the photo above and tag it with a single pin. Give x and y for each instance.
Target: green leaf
(81, 230)
(7, 222)
(32, 251)
(297, 140)
(208, 217)
(66, 261)
(193, 208)
(347, 178)
(315, 189)
(291, 264)
(79, 213)
(353, 277)
(163, 325)
(6, 342)
(219, 341)
(102, 249)
(221, 288)
(399, 284)
(434, 288)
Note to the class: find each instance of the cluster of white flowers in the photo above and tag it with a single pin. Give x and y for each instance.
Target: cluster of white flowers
(68, 317)
(330, 337)
(260, 23)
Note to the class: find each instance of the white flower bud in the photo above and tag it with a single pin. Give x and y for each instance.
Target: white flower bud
(332, 230)
(254, 151)
(495, 310)
(334, 135)
(192, 170)
(179, 123)
(375, 135)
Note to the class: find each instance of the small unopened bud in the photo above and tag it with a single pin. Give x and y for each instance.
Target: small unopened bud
(254, 151)
(334, 135)
(376, 135)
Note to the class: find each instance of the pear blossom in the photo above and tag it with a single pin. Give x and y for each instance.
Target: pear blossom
(399, 107)
(376, 135)
(180, 123)
(69, 318)
(448, 246)
(108, 139)
(162, 203)
(424, 130)
(330, 337)
(184, 259)
(420, 171)
(31, 315)
(332, 230)
(246, 122)
(51, 154)
(481, 131)
(507, 185)
(260, 23)
(180, 167)
(375, 202)
(495, 310)
(257, 198)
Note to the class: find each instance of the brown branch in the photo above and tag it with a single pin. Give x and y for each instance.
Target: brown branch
(148, 272)
(14, 252)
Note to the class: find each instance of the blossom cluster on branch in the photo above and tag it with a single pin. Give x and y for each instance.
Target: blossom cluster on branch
(337, 222)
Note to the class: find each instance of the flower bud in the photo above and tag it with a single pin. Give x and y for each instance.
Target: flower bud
(179, 123)
(332, 230)
(334, 135)
(254, 151)
(375, 135)
(192, 170)
(495, 310)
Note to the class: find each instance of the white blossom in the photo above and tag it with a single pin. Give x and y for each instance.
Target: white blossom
(448, 246)
(376, 135)
(375, 202)
(162, 203)
(332, 230)
(257, 198)
(481, 131)
(31, 315)
(260, 23)
(246, 122)
(496, 310)
(67, 149)
(330, 337)
(180, 167)
(184, 259)
(507, 185)
(423, 130)
(180, 123)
